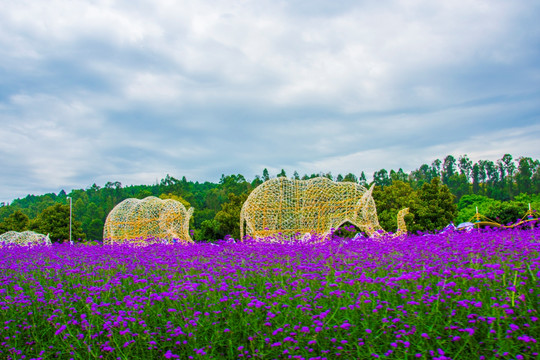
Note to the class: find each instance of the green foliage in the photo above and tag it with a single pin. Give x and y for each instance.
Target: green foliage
(467, 207)
(506, 212)
(17, 221)
(265, 175)
(178, 198)
(229, 216)
(209, 230)
(503, 212)
(484, 184)
(258, 181)
(430, 208)
(534, 200)
(95, 229)
(143, 194)
(459, 184)
(436, 206)
(391, 199)
(449, 169)
(380, 178)
(351, 177)
(91, 243)
(54, 221)
(346, 230)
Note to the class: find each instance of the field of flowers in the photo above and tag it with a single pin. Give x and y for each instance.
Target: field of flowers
(447, 296)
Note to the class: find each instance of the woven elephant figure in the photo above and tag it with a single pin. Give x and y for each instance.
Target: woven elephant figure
(288, 208)
(150, 220)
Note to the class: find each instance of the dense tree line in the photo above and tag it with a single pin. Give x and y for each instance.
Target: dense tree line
(447, 190)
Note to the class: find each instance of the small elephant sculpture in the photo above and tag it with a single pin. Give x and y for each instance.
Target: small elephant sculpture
(150, 220)
(26, 238)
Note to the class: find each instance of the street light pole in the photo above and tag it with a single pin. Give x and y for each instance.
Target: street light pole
(70, 241)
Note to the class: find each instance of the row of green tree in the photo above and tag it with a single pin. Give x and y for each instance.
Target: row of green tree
(436, 194)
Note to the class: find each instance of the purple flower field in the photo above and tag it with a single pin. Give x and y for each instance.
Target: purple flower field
(448, 296)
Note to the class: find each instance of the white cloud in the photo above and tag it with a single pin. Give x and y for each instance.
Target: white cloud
(133, 90)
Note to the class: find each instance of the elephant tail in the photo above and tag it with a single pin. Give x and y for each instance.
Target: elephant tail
(242, 221)
(401, 226)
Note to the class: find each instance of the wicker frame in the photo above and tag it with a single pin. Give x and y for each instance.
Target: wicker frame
(27, 238)
(291, 208)
(147, 221)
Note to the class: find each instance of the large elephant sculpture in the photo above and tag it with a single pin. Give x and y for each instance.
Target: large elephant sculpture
(149, 220)
(290, 208)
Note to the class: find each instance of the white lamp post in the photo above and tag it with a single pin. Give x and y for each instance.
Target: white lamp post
(70, 241)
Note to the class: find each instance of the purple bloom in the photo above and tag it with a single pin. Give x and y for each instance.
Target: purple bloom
(60, 330)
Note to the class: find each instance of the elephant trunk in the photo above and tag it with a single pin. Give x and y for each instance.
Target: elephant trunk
(401, 226)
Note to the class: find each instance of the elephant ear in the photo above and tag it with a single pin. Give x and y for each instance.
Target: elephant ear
(364, 201)
(367, 213)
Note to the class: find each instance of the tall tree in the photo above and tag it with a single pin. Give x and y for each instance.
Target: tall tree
(437, 208)
(265, 175)
(229, 215)
(380, 178)
(362, 179)
(465, 166)
(350, 177)
(436, 168)
(535, 182)
(54, 221)
(398, 176)
(95, 230)
(421, 175)
(236, 184)
(17, 221)
(393, 198)
(508, 167)
(524, 174)
(476, 178)
(449, 169)
(256, 181)
(482, 176)
(328, 175)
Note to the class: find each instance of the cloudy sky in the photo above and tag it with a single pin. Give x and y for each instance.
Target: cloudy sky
(101, 90)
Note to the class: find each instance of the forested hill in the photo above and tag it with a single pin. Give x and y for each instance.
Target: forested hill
(443, 191)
